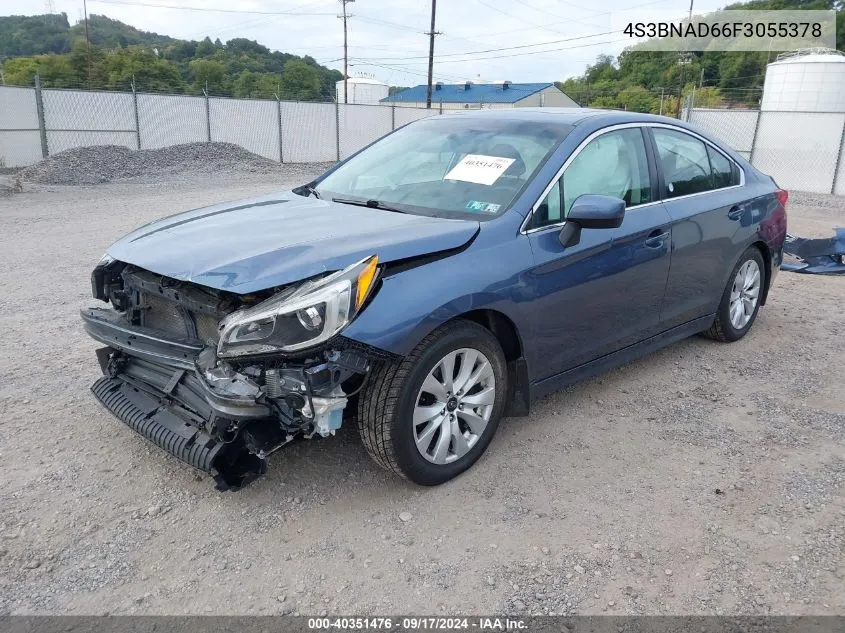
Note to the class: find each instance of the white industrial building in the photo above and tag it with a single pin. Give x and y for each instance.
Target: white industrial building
(806, 80)
(361, 90)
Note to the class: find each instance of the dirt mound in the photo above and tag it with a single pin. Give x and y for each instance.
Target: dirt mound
(103, 163)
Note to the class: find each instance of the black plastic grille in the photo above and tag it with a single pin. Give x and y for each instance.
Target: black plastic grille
(163, 315)
(206, 328)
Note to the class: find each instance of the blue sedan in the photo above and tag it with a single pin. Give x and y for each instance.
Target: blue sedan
(437, 280)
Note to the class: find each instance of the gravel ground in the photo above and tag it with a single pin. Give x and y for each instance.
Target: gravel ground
(706, 478)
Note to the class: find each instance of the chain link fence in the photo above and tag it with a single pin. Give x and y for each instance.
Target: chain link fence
(20, 139)
(801, 150)
(734, 127)
(804, 151)
(36, 122)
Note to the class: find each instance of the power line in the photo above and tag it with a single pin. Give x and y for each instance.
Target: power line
(202, 9)
(510, 31)
(554, 15)
(493, 50)
(395, 25)
(511, 15)
(551, 50)
(404, 70)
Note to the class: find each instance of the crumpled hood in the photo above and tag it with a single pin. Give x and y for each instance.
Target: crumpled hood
(255, 244)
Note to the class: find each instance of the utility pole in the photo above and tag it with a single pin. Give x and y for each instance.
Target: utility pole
(431, 33)
(683, 60)
(344, 17)
(87, 42)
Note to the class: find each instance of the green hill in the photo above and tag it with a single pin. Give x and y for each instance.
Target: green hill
(50, 46)
(637, 79)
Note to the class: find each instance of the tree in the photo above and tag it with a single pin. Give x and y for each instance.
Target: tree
(708, 97)
(245, 85)
(208, 74)
(149, 72)
(32, 35)
(299, 81)
(637, 99)
(603, 102)
(20, 71)
(268, 85)
(205, 48)
(86, 65)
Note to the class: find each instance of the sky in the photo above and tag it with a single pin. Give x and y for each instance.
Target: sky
(516, 40)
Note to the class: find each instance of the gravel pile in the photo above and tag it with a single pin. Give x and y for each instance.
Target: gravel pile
(104, 163)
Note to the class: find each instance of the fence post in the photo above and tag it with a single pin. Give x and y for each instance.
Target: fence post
(838, 158)
(42, 123)
(441, 107)
(137, 120)
(337, 127)
(754, 138)
(393, 116)
(279, 113)
(207, 113)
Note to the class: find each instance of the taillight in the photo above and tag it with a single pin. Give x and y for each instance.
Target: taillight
(783, 197)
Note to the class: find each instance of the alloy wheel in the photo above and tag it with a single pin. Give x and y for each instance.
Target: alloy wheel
(454, 405)
(745, 293)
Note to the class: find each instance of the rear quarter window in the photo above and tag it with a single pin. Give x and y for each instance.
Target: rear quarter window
(725, 173)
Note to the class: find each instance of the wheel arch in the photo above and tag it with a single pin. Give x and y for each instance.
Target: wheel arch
(766, 252)
(505, 330)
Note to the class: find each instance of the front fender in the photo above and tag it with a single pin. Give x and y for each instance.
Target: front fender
(490, 274)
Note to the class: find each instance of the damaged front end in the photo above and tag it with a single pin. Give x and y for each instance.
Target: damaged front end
(221, 380)
(823, 256)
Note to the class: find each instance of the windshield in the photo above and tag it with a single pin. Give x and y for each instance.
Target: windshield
(452, 166)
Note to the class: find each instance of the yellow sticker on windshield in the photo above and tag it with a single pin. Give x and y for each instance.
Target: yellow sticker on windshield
(482, 170)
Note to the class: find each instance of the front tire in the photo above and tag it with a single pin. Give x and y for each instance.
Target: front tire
(430, 416)
(741, 299)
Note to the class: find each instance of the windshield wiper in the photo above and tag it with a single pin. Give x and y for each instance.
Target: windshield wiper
(312, 190)
(373, 204)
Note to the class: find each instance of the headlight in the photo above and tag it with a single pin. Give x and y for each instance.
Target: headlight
(300, 317)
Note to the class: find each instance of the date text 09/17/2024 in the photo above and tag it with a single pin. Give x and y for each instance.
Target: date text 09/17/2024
(418, 623)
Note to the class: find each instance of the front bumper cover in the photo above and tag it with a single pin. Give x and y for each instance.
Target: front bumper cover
(219, 418)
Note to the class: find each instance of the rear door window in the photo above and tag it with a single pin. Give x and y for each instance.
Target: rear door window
(686, 166)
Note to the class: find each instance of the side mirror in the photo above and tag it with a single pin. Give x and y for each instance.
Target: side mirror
(591, 211)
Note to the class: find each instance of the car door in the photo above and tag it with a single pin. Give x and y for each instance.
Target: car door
(701, 194)
(605, 292)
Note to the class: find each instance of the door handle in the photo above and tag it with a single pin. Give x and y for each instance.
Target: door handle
(656, 238)
(736, 212)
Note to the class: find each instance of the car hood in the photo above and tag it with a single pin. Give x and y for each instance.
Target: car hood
(281, 238)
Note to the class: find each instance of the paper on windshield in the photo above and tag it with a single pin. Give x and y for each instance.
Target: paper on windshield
(480, 169)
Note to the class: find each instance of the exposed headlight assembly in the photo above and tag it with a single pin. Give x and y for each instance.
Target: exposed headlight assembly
(299, 317)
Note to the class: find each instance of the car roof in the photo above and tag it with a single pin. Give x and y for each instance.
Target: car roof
(569, 116)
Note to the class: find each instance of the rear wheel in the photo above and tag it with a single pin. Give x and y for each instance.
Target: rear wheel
(741, 298)
(430, 416)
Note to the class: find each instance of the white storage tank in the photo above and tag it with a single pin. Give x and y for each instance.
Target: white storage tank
(362, 90)
(806, 80)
